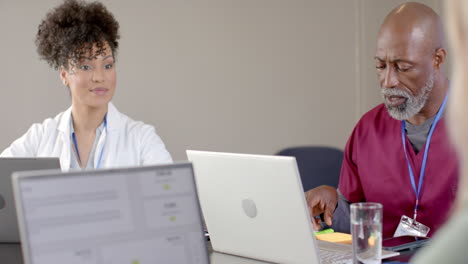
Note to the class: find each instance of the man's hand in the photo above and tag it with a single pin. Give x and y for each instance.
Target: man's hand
(322, 199)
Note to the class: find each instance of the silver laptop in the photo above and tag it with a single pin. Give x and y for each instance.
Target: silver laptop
(254, 206)
(132, 215)
(8, 220)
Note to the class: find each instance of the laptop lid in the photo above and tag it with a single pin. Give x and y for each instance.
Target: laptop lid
(9, 224)
(132, 215)
(254, 206)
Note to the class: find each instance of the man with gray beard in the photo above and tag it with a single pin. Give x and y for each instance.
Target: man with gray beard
(399, 154)
(412, 105)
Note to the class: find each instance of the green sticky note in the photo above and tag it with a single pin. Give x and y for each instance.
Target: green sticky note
(325, 231)
(135, 262)
(166, 186)
(172, 218)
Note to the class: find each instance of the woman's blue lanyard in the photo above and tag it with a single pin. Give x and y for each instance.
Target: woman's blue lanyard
(417, 191)
(75, 143)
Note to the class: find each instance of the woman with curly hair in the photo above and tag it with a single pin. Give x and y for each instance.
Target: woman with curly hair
(80, 40)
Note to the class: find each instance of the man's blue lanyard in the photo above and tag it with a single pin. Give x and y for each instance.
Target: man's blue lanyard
(75, 143)
(417, 191)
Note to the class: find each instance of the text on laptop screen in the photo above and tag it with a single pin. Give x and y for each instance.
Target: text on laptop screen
(128, 216)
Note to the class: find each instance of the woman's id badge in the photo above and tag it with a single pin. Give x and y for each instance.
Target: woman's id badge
(410, 227)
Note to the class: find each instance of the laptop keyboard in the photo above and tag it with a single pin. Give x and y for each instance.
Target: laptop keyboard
(335, 257)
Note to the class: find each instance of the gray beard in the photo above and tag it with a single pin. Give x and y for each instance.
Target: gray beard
(412, 105)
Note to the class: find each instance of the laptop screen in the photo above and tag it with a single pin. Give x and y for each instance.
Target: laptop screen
(131, 216)
(9, 222)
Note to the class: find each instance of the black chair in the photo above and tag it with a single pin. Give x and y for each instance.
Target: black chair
(317, 165)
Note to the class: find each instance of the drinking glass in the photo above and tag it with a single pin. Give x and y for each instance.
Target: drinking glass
(366, 229)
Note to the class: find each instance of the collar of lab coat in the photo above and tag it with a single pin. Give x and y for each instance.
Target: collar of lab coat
(113, 119)
(114, 123)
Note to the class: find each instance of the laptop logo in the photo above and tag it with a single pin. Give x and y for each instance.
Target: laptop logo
(250, 209)
(2, 202)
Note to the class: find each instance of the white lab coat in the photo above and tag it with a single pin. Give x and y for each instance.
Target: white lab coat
(126, 142)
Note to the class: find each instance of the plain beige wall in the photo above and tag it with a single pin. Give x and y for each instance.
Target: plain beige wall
(250, 76)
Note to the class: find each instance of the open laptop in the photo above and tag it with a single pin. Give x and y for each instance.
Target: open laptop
(8, 221)
(132, 216)
(254, 206)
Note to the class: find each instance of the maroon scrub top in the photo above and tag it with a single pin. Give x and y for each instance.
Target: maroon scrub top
(375, 170)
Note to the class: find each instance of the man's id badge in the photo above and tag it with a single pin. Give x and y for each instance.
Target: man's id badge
(410, 227)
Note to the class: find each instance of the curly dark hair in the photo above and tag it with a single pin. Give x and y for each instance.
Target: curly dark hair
(69, 31)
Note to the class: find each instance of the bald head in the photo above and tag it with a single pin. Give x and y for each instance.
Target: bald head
(409, 56)
(416, 23)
